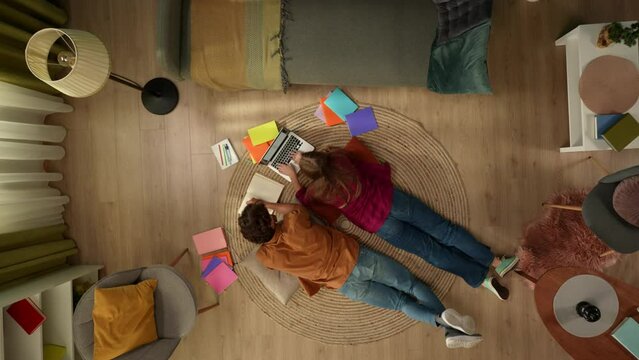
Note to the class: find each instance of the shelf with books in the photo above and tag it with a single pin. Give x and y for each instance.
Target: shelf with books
(57, 305)
(580, 49)
(17, 343)
(52, 293)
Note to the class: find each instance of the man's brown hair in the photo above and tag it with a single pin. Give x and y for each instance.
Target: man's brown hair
(256, 224)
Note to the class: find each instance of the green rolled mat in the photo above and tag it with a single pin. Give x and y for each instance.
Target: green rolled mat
(17, 18)
(22, 37)
(25, 79)
(42, 9)
(31, 237)
(11, 258)
(35, 263)
(20, 276)
(12, 57)
(16, 34)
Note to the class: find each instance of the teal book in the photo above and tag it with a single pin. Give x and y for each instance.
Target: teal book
(627, 334)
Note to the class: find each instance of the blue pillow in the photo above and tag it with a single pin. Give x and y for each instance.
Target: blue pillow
(458, 65)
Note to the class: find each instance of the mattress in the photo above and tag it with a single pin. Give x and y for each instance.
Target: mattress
(269, 44)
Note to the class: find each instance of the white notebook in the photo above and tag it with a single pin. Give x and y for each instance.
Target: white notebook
(262, 188)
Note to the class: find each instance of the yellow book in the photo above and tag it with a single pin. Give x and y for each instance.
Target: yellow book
(263, 133)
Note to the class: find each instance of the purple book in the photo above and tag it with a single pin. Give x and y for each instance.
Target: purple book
(361, 121)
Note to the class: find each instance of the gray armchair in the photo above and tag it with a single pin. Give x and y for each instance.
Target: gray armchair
(175, 311)
(604, 220)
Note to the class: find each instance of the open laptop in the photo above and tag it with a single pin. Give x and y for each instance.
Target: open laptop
(282, 149)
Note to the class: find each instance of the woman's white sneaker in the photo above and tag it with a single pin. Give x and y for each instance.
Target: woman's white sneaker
(455, 320)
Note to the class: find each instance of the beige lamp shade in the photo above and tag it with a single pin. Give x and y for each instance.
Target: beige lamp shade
(88, 60)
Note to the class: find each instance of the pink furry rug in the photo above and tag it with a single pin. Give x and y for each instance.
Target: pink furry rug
(561, 238)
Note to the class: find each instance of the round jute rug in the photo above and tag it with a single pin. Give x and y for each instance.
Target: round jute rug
(420, 165)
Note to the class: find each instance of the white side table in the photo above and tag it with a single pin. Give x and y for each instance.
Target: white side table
(581, 48)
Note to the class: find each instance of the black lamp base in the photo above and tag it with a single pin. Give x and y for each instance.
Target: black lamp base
(160, 96)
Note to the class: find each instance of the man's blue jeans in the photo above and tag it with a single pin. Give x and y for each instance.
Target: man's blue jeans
(414, 227)
(381, 281)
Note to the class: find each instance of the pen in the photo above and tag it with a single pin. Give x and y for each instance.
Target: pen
(226, 148)
(222, 158)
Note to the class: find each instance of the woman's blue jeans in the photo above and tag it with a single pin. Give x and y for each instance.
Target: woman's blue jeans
(414, 227)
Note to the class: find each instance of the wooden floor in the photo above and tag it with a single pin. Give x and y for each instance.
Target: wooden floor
(141, 185)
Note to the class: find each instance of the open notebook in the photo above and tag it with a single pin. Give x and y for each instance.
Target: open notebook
(262, 188)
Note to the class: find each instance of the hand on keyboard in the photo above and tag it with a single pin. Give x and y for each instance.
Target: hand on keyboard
(287, 170)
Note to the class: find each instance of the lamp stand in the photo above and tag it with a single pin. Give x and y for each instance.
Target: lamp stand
(159, 96)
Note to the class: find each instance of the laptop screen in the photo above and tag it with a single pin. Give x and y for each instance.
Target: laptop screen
(272, 150)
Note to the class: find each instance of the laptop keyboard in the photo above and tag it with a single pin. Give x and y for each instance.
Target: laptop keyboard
(286, 152)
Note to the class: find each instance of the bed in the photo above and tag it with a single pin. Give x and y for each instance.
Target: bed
(273, 44)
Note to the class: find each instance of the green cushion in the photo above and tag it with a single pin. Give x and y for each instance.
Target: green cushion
(458, 66)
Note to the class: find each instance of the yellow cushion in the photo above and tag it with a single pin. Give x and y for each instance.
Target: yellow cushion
(123, 319)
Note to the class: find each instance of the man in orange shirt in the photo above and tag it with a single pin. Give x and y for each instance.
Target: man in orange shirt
(324, 256)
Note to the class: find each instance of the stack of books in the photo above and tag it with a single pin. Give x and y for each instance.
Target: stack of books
(259, 139)
(216, 263)
(618, 130)
(338, 108)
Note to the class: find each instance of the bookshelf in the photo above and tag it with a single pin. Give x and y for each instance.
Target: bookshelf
(581, 50)
(53, 293)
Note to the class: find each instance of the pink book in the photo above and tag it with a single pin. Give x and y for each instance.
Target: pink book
(220, 278)
(209, 241)
(319, 113)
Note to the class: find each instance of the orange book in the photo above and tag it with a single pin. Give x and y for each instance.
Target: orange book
(256, 151)
(331, 117)
(224, 255)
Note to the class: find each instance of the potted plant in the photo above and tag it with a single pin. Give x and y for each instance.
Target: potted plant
(617, 33)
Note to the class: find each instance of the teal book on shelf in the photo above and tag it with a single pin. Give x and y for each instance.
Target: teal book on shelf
(627, 334)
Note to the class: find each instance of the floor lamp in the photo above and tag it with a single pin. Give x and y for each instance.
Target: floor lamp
(77, 64)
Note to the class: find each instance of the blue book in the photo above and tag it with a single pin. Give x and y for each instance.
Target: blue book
(605, 122)
(627, 334)
(215, 261)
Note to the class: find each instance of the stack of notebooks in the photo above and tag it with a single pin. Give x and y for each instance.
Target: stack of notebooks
(258, 140)
(216, 263)
(337, 108)
(618, 130)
